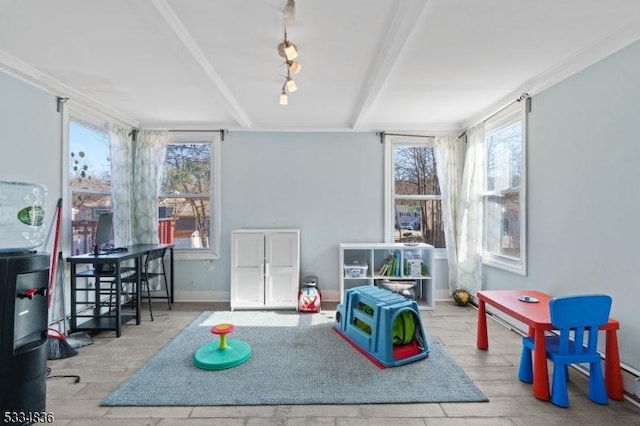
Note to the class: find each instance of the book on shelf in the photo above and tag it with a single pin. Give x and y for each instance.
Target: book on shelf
(391, 266)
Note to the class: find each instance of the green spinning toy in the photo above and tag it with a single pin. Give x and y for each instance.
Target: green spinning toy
(225, 354)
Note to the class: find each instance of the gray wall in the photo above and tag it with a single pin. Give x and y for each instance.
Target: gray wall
(330, 185)
(30, 138)
(583, 204)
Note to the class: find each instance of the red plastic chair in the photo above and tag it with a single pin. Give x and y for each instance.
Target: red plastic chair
(574, 317)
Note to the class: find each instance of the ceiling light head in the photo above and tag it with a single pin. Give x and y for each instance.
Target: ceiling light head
(294, 66)
(291, 85)
(284, 100)
(290, 51)
(287, 50)
(289, 12)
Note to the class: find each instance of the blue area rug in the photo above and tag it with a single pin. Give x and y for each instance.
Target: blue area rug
(296, 359)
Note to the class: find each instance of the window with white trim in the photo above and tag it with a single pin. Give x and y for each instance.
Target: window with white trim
(190, 193)
(413, 199)
(89, 181)
(504, 234)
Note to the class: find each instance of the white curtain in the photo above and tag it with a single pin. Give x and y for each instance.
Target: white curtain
(121, 177)
(450, 160)
(469, 214)
(150, 149)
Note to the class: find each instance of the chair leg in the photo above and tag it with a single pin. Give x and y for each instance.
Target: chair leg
(525, 372)
(597, 389)
(112, 295)
(559, 392)
(149, 298)
(112, 292)
(166, 287)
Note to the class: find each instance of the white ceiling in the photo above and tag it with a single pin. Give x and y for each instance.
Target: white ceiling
(413, 65)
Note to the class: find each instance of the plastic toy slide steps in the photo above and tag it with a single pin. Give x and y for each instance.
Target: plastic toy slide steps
(384, 326)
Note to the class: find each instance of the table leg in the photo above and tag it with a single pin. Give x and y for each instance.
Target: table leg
(72, 318)
(612, 371)
(171, 272)
(540, 371)
(482, 338)
(118, 300)
(138, 265)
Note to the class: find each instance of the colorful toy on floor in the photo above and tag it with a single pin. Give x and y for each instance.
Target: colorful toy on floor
(223, 353)
(309, 297)
(384, 326)
(461, 297)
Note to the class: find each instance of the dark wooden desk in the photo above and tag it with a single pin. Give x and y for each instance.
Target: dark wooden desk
(536, 316)
(97, 320)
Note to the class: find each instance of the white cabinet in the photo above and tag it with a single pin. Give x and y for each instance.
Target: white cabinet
(408, 271)
(265, 268)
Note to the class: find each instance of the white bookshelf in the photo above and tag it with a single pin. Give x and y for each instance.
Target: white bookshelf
(365, 262)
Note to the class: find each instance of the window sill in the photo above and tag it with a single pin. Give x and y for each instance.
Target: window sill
(440, 254)
(195, 255)
(509, 264)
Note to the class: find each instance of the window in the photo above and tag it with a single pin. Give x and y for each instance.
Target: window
(89, 182)
(504, 190)
(413, 200)
(190, 193)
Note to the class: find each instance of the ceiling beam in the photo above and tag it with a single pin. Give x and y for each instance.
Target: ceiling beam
(179, 29)
(403, 23)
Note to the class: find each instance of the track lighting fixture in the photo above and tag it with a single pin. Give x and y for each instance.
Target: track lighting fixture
(289, 52)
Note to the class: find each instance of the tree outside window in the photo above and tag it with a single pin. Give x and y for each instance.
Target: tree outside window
(89, 182)
(186, 194)
(416, 195)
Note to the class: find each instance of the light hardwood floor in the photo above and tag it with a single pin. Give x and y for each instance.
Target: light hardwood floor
(109, 361)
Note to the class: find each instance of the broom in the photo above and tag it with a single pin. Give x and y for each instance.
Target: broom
(57, 346)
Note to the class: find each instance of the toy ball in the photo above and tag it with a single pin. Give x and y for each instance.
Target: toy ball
(461, 297)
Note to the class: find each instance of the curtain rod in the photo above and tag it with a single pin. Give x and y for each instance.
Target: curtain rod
(221, 131)
(524, 97)
(60, 101)
(383, 134)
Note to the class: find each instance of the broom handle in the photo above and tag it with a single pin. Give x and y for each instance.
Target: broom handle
(54, 255)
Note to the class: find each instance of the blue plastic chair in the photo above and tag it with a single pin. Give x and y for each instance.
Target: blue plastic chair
(574, 317)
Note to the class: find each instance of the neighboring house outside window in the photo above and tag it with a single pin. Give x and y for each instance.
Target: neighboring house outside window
(504, 242)
(89, 182)
(190, 193)
(413, 200)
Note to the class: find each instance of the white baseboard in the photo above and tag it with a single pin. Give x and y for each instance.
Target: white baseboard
(631, 384)
(202, 296)
(334, 295)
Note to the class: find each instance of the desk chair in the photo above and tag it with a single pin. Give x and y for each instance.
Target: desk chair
(575, 317)
(155, 257)
(105, 274)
